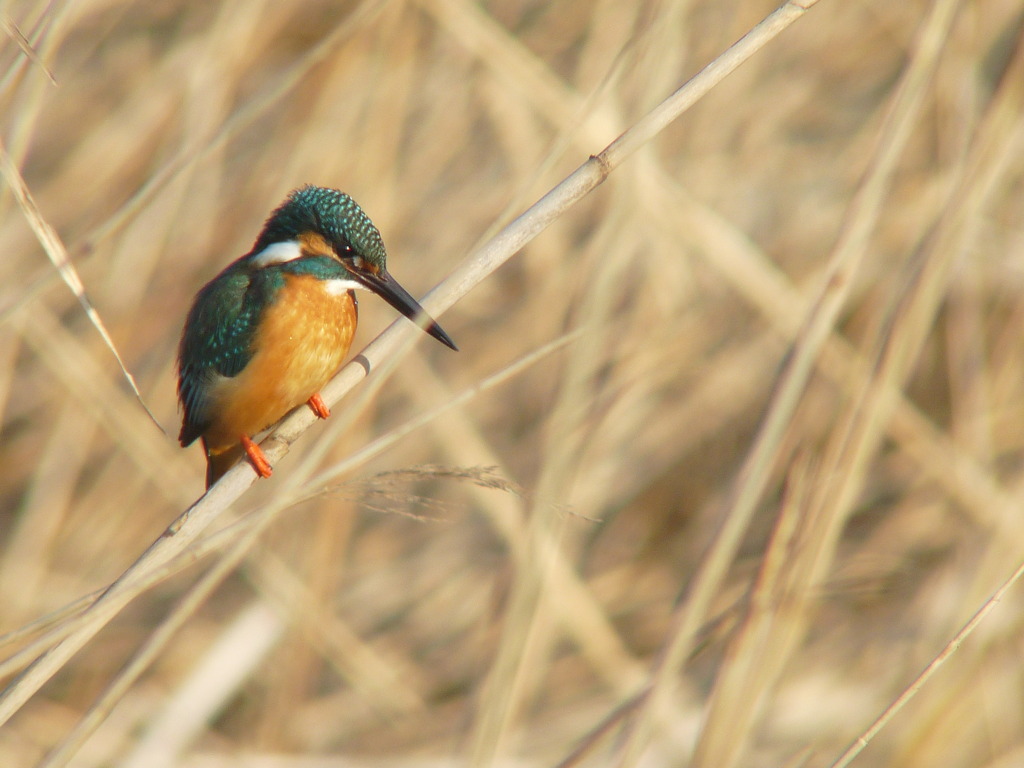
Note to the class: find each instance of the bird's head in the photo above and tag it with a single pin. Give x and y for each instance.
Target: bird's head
(318, 223)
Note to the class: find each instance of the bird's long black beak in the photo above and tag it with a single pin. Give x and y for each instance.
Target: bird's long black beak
(385, 286)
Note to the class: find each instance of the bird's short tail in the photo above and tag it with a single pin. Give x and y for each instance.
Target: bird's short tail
(217, 464)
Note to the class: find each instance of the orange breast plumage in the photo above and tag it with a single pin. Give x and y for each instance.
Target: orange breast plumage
(303, 338)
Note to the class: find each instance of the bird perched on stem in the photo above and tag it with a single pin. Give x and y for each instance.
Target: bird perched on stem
(267, 333)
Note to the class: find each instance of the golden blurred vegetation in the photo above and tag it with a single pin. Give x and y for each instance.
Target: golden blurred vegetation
(504, 584)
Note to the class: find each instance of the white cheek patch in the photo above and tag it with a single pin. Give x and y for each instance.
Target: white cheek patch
(338, 286)
(278, 253)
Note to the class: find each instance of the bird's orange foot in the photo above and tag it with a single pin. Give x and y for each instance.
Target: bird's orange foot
(319, 406)
(257, 458)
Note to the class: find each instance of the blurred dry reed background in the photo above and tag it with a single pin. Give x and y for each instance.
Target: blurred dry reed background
(504, 584)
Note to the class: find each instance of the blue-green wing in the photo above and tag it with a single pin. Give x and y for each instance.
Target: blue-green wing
(217, 342)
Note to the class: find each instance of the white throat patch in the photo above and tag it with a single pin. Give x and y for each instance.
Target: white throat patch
(278, 253)
(338, 286)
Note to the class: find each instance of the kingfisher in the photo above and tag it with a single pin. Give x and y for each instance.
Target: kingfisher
(267, 333)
